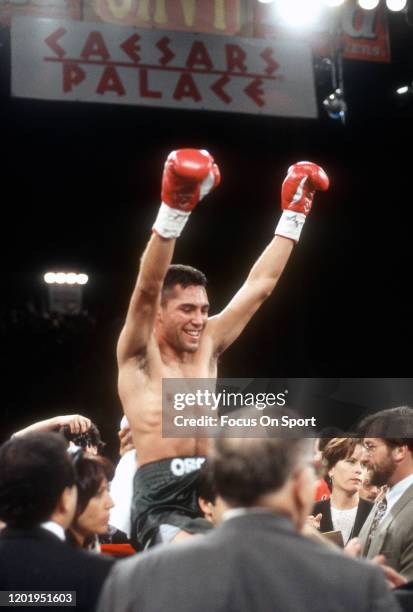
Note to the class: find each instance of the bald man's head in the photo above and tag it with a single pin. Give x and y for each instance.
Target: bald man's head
(246, 469)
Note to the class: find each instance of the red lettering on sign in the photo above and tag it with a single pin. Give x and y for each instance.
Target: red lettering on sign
(144, 90)
(51, 41)
(110, 81)
(72, 75)
(198, 56)
(131, 48)
(186, 88)
(255, 92)
(236, 57)
(218, 89)
(168, 55)
(272, 65)
(95, 48)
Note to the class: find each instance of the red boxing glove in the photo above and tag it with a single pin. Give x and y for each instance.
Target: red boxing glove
(302, 181)
(188, 176)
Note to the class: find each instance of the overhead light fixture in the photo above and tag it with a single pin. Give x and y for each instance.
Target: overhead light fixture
(64, 278)
(335, 105)
(82, 279)
(71, 278)
(49, 278)
(396, 5)
(368, 5)
(299, 13)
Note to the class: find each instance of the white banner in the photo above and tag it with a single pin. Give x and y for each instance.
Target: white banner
(65, 60)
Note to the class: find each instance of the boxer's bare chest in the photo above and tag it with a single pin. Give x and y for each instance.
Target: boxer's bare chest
(142, 393)
(140, 384)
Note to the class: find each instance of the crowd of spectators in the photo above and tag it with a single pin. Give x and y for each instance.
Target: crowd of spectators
(273, 546)
(68, 362)
(37, 321)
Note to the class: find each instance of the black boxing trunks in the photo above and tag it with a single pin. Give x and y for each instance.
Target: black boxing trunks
(164, 493)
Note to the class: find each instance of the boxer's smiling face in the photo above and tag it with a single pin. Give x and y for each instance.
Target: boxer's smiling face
(183, 317)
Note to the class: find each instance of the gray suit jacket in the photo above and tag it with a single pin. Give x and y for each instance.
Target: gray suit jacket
(251, 563)
(394, 535)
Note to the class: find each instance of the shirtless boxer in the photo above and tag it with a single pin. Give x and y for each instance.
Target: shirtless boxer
(168, 334)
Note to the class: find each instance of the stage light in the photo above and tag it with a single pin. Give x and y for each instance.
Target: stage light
(403, 90)
(335, 105)
(71, 278)
(49, 278)
(368, 5)
(82, 279)
(396, 5)
(299, 13)
(65, 278)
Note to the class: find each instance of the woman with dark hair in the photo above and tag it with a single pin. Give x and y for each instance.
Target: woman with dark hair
(345, 511)
(94, 502)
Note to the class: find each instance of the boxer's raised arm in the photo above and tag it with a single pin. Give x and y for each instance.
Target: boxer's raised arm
(189, 174)
(143, 305)
(298, 189)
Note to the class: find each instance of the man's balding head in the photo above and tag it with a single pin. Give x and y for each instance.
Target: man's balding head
(245, 469)
(273, 473)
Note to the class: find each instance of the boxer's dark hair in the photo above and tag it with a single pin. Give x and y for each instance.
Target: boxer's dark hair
(34, 471)
(394, 426)
(186, 276)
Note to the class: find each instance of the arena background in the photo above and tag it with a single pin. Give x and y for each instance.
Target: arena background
(80, 189)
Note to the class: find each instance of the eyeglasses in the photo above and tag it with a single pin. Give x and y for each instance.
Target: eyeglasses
(370, 448)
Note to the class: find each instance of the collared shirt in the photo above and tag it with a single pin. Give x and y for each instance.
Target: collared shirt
(234, 512)
(395, 493)
(54, 528)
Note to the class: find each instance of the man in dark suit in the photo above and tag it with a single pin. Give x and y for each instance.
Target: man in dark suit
(38, 499)
(388, 530)
(255, 561)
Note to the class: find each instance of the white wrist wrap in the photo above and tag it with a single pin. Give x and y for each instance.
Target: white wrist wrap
(290, 224)
(170, 222)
